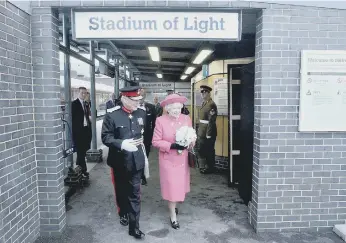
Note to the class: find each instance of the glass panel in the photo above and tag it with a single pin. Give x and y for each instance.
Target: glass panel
(80, 77)
(104, 90)
(62, 70)
(66, 129)
(86, 55)
(61, 40)
(103, 56)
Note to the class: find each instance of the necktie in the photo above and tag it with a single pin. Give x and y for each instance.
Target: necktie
(86, 112)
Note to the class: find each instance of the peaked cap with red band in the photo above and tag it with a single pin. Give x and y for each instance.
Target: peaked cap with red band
(133, 92)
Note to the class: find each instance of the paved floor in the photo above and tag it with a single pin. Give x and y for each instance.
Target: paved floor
(212, 213)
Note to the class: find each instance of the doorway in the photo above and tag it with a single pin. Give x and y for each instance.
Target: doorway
(176, 58)
(173, 66)
(241, 81)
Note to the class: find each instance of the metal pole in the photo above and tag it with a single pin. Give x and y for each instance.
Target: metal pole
(131, 76)
(93, 96)
(126, 78)
(116, 78)
(67, 89)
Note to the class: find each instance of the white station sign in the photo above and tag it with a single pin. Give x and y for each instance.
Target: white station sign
(157, 85)
(323, 91)
(155, 25)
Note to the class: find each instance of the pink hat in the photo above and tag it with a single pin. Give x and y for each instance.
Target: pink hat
(173, 98)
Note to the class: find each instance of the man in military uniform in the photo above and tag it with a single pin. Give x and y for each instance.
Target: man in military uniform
(149, 126)
(207, 132)
(122, 132)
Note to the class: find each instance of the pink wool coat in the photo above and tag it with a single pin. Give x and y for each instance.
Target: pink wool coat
(174, 167)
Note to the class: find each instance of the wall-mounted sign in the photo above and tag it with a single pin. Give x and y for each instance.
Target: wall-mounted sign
(322, 91)
(157, 85)
(155, 25)
(220, 91)
(205, 70)
(182, 85)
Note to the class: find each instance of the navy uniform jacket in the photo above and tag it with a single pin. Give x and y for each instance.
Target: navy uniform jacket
(118, 126)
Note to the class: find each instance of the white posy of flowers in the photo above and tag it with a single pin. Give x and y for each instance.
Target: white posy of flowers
(185, 136)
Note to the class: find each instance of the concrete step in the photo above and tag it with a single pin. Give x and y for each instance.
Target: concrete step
(340, 230)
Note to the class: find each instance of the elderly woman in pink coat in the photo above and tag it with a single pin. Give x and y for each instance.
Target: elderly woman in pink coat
(174, 167)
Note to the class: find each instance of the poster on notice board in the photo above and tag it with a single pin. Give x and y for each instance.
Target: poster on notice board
(221, 95)
(322, 91)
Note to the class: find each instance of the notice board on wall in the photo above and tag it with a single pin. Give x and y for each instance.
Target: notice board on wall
(322, 105)
(221, 95)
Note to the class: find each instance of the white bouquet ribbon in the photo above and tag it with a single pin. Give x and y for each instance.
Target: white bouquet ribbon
(146, 163)
(185, 136)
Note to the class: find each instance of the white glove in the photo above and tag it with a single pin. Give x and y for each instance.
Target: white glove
(128, 145)
(208, 137)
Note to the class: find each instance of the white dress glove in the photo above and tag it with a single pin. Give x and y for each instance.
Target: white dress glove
(128, 145)
(208, 137)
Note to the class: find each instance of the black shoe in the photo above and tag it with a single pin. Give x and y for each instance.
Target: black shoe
(176, 211)
(124, 220)
(174, 224)
(144, 182)
(136, 233)
(86, 174)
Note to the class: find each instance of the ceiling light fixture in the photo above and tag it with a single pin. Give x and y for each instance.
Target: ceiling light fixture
(159, 75)
(202, 55)
(183, 77)
(154, 53)
(189, 70)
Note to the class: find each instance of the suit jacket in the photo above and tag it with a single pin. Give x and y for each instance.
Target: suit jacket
(184, 110)
(158, 109)
(78, 121)
(150, 122)
(110, 104)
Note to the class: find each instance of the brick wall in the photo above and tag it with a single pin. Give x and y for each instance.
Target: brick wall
(19, 214)
(46, 83)
(299, 178)
(221, 163)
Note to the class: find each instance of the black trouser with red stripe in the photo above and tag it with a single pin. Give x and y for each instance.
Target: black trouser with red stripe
(127, 187)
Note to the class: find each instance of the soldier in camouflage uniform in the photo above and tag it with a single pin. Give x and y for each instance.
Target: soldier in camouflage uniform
(207, 132)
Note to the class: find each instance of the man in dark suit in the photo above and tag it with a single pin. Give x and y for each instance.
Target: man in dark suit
(81, 128)
(157, 105)
(111, 103)
(149, 126)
